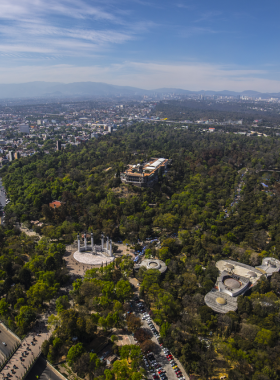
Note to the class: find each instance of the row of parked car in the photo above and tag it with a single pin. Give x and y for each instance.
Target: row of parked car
(147, 317)
(157, 372)
(173, 363)
(161, 372)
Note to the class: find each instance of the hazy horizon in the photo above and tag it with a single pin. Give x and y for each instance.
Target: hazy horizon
(100, 89)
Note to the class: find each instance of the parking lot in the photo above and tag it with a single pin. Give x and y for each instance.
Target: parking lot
(164, 365)
(9, 340)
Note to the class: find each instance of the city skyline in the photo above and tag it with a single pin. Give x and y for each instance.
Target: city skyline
(189, 45)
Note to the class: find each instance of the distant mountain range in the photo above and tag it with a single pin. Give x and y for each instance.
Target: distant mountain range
(96, 89)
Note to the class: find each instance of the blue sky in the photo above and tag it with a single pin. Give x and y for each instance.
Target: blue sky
(195, 45)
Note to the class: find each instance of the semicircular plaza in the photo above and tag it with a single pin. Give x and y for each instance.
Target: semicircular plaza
(92, 259)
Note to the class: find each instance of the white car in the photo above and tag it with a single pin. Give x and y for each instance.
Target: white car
(5, 344)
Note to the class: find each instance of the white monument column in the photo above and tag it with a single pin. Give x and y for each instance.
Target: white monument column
(79, 243)
(85, 240)
(111, 251)
(102, 242)
(92, 242)
(107, 244)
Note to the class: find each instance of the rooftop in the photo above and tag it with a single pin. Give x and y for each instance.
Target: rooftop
(269, 266)
(147, 169)
(239, 269)
(235, 279)
(55, 204)
(152, 264)
(220, 302)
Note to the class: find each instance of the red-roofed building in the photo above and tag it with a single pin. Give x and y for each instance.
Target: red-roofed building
(55, 204)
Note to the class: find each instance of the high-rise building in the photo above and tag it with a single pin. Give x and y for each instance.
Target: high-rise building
(58, 145)
(17, 155)
(11, 155)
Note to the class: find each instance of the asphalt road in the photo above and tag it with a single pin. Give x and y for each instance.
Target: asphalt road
(43, 371)
(20, 359)
(9, 339)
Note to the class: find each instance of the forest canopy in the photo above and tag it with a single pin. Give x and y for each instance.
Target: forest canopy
(219, 198)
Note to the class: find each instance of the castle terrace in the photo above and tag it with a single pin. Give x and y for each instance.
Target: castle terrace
(144, 175)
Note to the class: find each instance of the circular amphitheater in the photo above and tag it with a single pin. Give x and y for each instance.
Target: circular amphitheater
(92, 259)
(154, 264)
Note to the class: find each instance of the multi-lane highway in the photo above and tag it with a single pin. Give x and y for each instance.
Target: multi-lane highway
(29, 350)
(9, 340)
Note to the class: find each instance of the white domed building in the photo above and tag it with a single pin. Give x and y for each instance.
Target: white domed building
(235, 279)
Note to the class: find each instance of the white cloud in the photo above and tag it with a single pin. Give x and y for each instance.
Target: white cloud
(189, 76)
(17, 9)
(32, 26)
(198, 76)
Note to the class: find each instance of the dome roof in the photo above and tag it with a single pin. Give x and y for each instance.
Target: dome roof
(221, 301)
